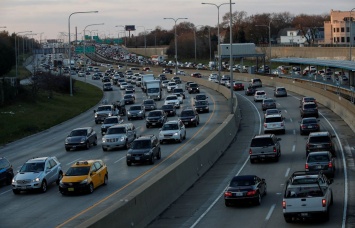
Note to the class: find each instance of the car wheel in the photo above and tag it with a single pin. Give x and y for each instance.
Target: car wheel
(67, 148)
(95, 142)
(159, 155)
(87, 146)
(128, 118)
(283, 131)
(180, 139)
(16, 191)
(147, 126)
(104, 149)
(288, 219)
(127, 145)
(227, 203)
(151, 160)
(96, 122)
(60, 176)
(258, 200)
(129, 163)
(91, 188)
(252, 161)
(196, 123)
(105, 180)
(8, 179)
(43, 188)
(184, 136)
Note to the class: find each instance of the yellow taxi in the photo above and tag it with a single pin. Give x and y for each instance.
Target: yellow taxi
(84, 176)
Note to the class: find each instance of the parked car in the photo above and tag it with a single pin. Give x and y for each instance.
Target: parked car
(196, 75)
(155, 118)
(309, 124)
(321, 161)
(172, 131)
(81, 138)
(245, 188)
(144, 149)
(37, 174)
(84, 177)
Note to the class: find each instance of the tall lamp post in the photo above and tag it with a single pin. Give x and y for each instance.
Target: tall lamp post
(145, 41)
(350, 40)
(16, 51)
(195, 28)
(219, 40)
(175, 20)
(69, 53)
(125, 43)
(268, 26)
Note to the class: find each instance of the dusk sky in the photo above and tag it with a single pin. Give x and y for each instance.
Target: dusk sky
(51, 16)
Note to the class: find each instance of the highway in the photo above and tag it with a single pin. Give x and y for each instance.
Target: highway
(203, 204)
(51, 209)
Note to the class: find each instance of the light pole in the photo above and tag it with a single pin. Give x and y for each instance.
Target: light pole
(69, 53)
(145, 41)
(125, 43)
(195, 28)
(268, 26)
(350, 40)
(219, 40)
(17, 48)
(175, 20)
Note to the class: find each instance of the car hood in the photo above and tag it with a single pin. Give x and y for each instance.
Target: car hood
(75, 139)
(138, 151)
(103, 112)
(167, 132)
(108, 125)
(154, 117)
(111, 136)
(73, 178)
(186, 117)
(27, 175)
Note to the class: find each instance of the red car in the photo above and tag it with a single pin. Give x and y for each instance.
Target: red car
(196, 75)
(238, 86)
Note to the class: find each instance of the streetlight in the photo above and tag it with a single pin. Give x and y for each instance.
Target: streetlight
(219, 40)
(175, 20)
(350, 40)
(17, 48)
(125, 43)
(71, 84)
(145, 41)
(268, 26)
(195, 28)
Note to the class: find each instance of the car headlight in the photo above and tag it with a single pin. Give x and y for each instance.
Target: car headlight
(129, 113)
(176, 133)
(84, 181)
(147, 153)
(82, 140)
(140, 112)
(110, 114)
(95, 115)
(103, 140)
(122, 138)
(13, 181)
(193, 119)
(36, 179)
(129, 155)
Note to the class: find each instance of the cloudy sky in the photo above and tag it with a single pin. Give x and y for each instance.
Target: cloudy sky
(50, 17)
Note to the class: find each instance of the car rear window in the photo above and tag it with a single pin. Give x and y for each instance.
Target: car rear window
(307, 106)
(273, 119)
(318, 158)
(319, 139)
(260, 93)
(261, 142)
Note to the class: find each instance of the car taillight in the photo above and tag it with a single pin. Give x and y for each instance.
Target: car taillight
(250, 151)
(306, 166)
(324, 202)
(307, 145)
(275, 149)
(228, 194)
(265, 125)
(284, 204)
(330, 165)
(303, 126)
(251, 193)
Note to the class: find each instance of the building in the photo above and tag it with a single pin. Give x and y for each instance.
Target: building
(340, 30)
(292, 36)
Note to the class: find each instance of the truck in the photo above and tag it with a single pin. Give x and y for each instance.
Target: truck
(239, 49)
(153, 89)
(307, 195)
(145, 78)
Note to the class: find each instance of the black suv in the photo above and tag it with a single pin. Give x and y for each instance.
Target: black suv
(155, 118)
(193, 88)
(320, 141)
(265, 146)
(144, 149)
(189, 116)
(7, 173)
(309, 109)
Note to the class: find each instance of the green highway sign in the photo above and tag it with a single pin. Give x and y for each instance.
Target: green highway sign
(88, 49)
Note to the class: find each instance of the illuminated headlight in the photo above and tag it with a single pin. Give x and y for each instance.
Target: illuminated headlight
(129, 113)
(103, 140)
(121, 138)
(140, 112)
(13, 181)
(129, 155)
(84, 181)
(95, 115)
(110, 114)
(193, 119)
(207, 107)
(176, 133)
(147, 154)
(82, 140)
(36, 179)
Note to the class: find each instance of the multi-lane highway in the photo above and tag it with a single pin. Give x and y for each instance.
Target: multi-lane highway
(51, 209)
(203, 205)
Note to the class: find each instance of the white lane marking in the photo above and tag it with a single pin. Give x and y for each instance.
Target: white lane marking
(294, 131)
(5, 192)
(119, 159)
(287, 172)
(73, 161)
(293, 148)
(239, 171)
(286, 111)
(291, 120)
(270, 212)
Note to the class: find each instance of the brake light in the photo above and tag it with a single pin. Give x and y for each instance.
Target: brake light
(250, 151)
(251, 193)
(275, 149)
(324, 202)
(307, 145)
(303, 126)
(306, 166)
(284, 204)
(265, 125)
(227, 194)
(330, 165)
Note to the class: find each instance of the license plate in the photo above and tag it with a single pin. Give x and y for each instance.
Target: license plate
(153, 123)
(318, 166)
(23, 187)
(239, 193)
(319, 146)
(304, 214)
(310, 127)
(70, 189)
(201, 109)
(262, 156)
(137, 158)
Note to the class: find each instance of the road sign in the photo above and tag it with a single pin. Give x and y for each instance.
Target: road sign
(88, 49)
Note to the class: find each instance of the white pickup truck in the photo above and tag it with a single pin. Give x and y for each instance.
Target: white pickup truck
(307, 195)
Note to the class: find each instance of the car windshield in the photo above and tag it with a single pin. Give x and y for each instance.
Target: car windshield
(104, 108)
(307, 106)
(281, 89)
(32, 167)
(167, 127)
(187, 113)
(78, 133)
(269, 101)
(261, 142)
(127, 96)
(78, 171)
(148, 102)
(110, 120)
(318, 158)
(260, 93)
(193, 85)
(116, 130)
(154, 114)
(167, 107)
(171, 98)
(153, 90)
(273, 119)
(140, 144)
(308, 99)
(319, 139)
(201, 97)
(201, 103)
(135, 108)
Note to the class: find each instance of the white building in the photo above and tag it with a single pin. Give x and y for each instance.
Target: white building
(294, 36)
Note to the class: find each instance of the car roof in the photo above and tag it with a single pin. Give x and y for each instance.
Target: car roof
(82, 128)
(84, 163)
(273, 115)
(40, 159)
(264, 136)
(321, 133)
(319, 153)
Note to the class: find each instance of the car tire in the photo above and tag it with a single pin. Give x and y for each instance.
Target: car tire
(196, 124)
(227, 203)
(8, 179)
(180, 139)
(16, 191)
(67, 149)
(95, 142)
(252, 161)
(288, 219)
(159, 155)
(258, 200)
(96, 122)
(60, 176)
(129, 163)
(151, 160)
(91, 188)
(184, 136)
(104, 149)
(105, 180)
(147, 125)
(43, 188)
